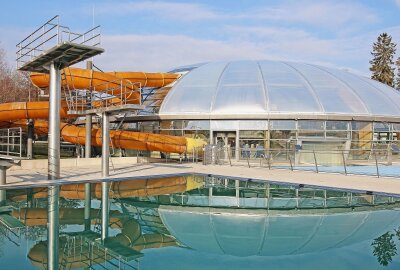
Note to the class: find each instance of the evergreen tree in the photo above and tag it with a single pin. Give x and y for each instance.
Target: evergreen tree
(398, 74)
(382, 62)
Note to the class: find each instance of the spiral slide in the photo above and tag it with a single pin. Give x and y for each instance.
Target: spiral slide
(13, 114)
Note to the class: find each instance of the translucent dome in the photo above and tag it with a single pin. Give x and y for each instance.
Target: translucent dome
(268, 88)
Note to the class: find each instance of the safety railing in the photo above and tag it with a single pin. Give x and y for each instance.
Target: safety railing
(51, 34)
(373, 162)
(11, 142)
(115, 93)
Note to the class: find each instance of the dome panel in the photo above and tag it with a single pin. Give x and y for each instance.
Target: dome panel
(333, 95)
(240, 85)
(377, 102)
(192, 94)
(287, 91)
(275, 88)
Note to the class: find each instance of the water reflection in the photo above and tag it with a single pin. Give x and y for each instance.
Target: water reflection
(209, 217)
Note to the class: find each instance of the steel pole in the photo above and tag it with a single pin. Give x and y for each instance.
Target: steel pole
(53, 165)
(53, 227)
(3, 181)
(88, 200)
(29, 143)
(88, 124)
(88, 136)
(104, 210)
(105, 153)
(105, 173)
(54, 123)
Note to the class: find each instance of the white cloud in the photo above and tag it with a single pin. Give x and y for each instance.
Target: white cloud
(319, 14)
(170, 10)
(163, 52)
(397, 2)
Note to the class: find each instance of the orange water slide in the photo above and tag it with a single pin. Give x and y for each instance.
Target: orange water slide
(78, 78)
(17, 111)
(85, 79)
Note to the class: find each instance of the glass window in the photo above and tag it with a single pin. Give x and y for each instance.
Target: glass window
(253, 125)
(337, 134)
(355, 125)
(282, 134)
(283, 125)
(311, 133)
(396, 127)
(311, 125)
(259, 134)
(197, 125)
(336, 125)
(380, 127)
(225, 125)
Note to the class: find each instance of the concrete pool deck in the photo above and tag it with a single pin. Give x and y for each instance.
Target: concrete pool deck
(38, 176)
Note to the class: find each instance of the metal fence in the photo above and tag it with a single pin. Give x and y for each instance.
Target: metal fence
(11, 142)
(374, 162)
(115, 93)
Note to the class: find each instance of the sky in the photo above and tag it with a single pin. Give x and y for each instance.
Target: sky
(161, 35)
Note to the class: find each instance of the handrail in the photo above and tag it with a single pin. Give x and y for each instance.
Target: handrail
(346, 161)
(38, 40)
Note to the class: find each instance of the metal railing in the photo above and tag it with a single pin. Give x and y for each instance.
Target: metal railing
(51, 34)
(373, 162)
(115, 93)
(11, 142)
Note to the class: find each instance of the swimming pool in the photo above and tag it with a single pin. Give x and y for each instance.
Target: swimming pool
(196, 222)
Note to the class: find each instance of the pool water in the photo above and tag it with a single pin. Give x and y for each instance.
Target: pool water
(196, 222)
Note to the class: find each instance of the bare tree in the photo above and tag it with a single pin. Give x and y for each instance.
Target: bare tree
(14, 85)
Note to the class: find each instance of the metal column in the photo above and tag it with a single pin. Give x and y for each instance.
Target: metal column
(54, 123)
(104, 210)
(88, 136)
(3, 171)
(105, 173)
(105, 150)
(29, 143)
(88, 200)
(237, 146)
(88, 124)
(53, 227)
(54, 165)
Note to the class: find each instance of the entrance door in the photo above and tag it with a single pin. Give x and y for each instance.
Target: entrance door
(226, 140)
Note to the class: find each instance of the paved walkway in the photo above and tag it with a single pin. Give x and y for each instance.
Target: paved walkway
(123, 172)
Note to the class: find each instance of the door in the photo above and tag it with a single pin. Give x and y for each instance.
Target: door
(227, 141)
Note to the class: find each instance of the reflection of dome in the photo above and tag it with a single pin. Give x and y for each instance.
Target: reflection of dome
(255, 232)
(268, 88)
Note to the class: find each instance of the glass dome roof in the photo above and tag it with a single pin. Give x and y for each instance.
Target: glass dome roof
(268, 88)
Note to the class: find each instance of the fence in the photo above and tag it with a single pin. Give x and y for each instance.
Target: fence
(115, 93)
(11, 142)
(51, 34)
(375, 162)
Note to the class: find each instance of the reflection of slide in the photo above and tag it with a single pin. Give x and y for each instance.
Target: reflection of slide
(120, 189)
(84, 79)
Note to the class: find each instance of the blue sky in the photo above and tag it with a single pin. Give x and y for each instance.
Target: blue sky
(160, 35)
